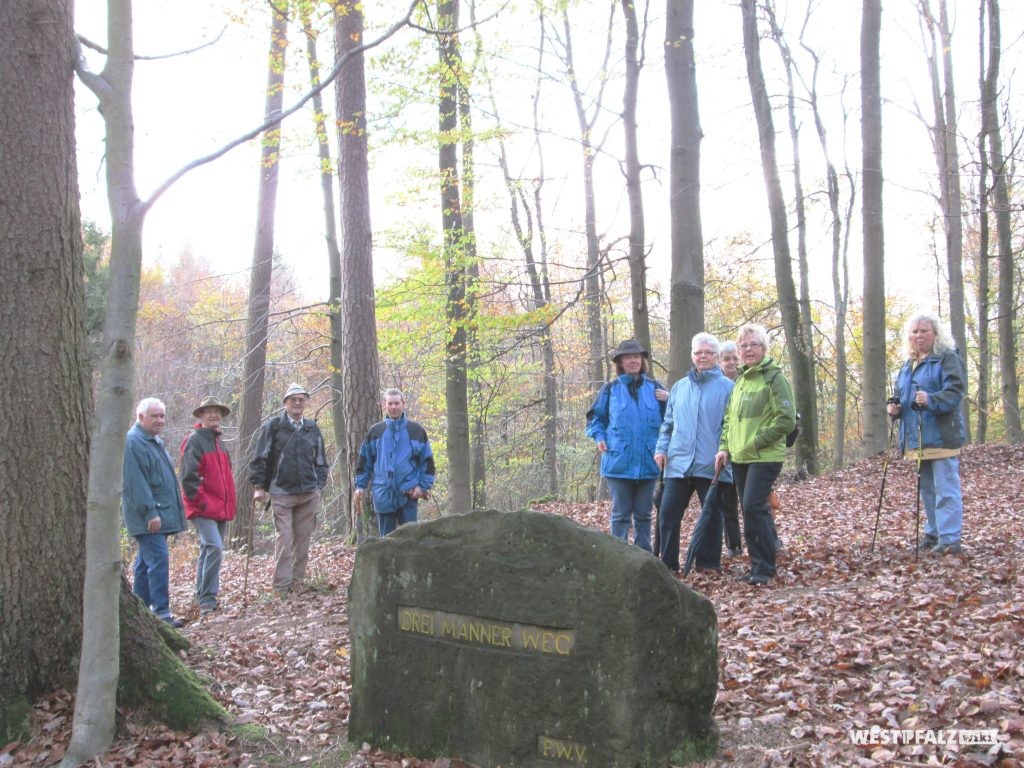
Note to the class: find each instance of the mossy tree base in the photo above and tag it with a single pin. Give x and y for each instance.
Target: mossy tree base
(152, 677)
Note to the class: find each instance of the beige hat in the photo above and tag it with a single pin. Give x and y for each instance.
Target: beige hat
(295, 389)
(211, 402)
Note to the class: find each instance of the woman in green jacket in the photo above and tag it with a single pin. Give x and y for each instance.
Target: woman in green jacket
(759, 416)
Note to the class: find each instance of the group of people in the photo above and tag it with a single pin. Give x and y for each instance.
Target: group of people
(725, 425)
(288, 469)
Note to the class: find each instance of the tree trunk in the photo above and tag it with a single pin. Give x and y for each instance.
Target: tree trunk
(637, 232)
(45, 355)
(875, 377)
(984, 365)
(840, 281)
(361, 372)
(1000, 165)
(257, 323)
(801, 355)
(343, 464)
(592, 279)
(456, 383)
(807, 442)
(686, 314)
(947, 157)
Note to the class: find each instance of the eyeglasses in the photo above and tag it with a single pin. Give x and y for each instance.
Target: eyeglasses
(750, 345)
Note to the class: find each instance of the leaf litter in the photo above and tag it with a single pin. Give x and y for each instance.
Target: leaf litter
(843, 640)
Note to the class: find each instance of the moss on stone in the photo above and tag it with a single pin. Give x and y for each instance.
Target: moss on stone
(14, 725)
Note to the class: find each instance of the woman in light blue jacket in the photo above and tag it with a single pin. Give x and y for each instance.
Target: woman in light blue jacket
(624, 422)
(686, 450)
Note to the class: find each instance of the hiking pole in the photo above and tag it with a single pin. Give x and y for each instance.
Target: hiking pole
(885, 470)
(920, 459)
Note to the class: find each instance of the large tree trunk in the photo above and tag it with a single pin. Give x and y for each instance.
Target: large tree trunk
(342, 465)
(637, 231)
(361, 372)
(456, 382)
(42, 306)
(801, 355)
(686, 314)
(1000, 165)
(257, 322)
(875, 378)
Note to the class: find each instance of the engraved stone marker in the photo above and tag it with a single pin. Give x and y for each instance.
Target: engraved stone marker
(523, 639)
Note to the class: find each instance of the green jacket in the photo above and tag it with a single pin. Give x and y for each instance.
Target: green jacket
(759, 416)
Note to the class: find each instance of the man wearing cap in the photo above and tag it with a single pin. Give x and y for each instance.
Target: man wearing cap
(208, 488)
(151, 504)
(624, 422)
(289, 463)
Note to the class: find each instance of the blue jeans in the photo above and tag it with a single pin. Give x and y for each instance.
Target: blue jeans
(211, 553)
(407, 513)
(678, 492)
(754, 482)
(151, 566)
(631, 503)
(940, 495)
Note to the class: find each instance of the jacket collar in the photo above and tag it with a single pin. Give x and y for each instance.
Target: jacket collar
(698, 377)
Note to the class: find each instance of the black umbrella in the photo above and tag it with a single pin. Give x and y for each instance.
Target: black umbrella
(707, 532)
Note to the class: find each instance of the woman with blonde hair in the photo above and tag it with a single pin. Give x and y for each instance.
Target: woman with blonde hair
(929, 389)
(759, 416)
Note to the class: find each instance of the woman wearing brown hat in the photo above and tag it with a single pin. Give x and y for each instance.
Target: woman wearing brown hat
(208, 488)
(624, 422)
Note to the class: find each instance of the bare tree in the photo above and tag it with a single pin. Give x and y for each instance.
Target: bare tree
(947, 157)
(686, 315)
(801, 354)
(258, 321)
(1000, 165)
(875, 375)
(983, 303)
(637, 230)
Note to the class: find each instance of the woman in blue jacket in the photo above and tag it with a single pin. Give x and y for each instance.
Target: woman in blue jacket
(624, 422)
(930, 388)
(687, 448)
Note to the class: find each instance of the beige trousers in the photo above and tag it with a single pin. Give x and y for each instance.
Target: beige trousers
(294, 519)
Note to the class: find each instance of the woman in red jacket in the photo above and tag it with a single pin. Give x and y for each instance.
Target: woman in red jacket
(208, 487)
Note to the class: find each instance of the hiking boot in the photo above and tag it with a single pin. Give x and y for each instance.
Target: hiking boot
(207, 610)
(928, 543)
(738, 552)
(174, 623)
(952, 548)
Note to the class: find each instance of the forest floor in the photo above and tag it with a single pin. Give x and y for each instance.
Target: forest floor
(843, 639)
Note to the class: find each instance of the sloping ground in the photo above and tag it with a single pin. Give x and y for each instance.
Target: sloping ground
(843, 642)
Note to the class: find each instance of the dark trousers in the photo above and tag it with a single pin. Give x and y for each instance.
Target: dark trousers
(754, 482)
(677, 495)
(731, 513)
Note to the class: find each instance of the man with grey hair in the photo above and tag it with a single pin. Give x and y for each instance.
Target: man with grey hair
(289, 464)
(152, 506)
(397, 458)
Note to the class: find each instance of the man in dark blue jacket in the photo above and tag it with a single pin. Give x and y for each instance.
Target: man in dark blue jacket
(289, 464)
(397, 459)
(152, 506)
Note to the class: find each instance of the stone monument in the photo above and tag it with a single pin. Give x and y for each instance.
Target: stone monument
(524, 639)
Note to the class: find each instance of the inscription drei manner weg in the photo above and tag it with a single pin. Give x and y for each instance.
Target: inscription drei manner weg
(485, 632)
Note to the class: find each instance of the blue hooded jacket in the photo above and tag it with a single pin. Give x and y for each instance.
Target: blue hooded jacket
(693, 425)
(943, 378)
(628, 426)
(397, 456)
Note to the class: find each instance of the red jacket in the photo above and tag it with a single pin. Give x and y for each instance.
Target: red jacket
(207, 482)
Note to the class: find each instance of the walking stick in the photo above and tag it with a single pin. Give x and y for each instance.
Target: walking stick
(885, 470)
(248, 557)
(917, 505)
